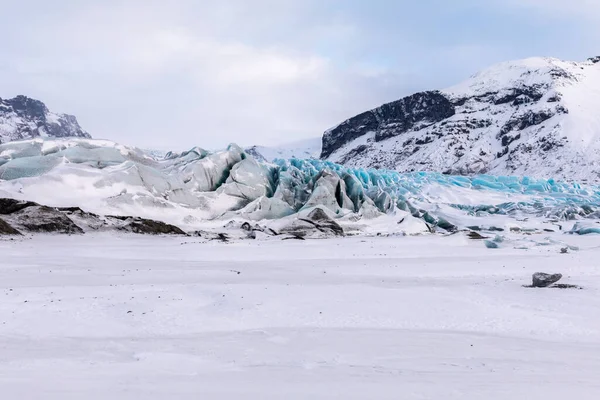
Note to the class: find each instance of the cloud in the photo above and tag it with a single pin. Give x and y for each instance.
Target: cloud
(183, 73)
(148, 74)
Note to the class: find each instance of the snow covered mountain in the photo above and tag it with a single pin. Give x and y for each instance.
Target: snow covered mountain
(25, 118)
(537, 116)
(305, 149)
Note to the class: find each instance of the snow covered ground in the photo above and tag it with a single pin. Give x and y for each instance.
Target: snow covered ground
(128, 317)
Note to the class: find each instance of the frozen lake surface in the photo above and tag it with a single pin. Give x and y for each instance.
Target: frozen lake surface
(128, 317)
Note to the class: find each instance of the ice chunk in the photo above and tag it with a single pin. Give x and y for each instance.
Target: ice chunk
(249, 180)
(585, 228)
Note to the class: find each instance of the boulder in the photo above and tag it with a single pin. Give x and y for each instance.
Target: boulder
(541, 279)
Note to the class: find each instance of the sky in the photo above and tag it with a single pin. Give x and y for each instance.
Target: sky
(182, 73)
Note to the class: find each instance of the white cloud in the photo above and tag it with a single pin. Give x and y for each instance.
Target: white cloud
(186, 72)
(147, 73)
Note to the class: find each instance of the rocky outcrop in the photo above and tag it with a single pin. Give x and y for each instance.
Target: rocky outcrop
(6, 229)
(26, 118)
(147, 226)
(28, 217)
(389, 120)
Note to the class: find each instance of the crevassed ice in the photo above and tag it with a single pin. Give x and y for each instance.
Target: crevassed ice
(231, 183)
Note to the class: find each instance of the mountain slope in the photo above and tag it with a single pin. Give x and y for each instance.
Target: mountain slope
(306, 148)
(25, 118)
(537, 117)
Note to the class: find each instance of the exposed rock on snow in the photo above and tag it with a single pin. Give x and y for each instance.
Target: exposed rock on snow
(323, 222)
(541, 279)
(25, 118)
(43, 219)
(145, 226)
(534, 117)
(6, 229)
(21, 216)
(315, 224)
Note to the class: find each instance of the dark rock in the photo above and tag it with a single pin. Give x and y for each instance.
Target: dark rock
(541, 279)
(323, 223)
(521, 95)
(42, 219)
(295, 236)
(151, 227)
(76, 210)
(565, 286)
(391, 119)
(524, 121)
(6, 229)
(28, 216)
(476, 236)
(9, 206)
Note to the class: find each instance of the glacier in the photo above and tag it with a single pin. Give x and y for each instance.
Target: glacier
(198, 187)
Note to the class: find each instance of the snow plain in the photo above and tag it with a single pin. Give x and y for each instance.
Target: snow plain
(102, 316)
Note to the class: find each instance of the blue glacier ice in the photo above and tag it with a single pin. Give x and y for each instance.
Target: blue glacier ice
(231, 181)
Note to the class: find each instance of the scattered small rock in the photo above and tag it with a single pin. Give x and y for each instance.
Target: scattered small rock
(476, 236)
(565, 286)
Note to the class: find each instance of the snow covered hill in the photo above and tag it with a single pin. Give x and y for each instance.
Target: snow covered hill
(304, 149)
(536, 117)
(25, 118)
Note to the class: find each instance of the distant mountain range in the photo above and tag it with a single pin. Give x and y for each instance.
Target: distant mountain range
(307, 148)
(26, 118)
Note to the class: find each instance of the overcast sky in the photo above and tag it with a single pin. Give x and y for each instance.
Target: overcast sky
(179, 73)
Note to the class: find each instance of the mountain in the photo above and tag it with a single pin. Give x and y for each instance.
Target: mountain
(25, 118)
(537, 116)
(307, 148)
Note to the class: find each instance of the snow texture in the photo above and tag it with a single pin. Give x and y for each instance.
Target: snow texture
(124, 317)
